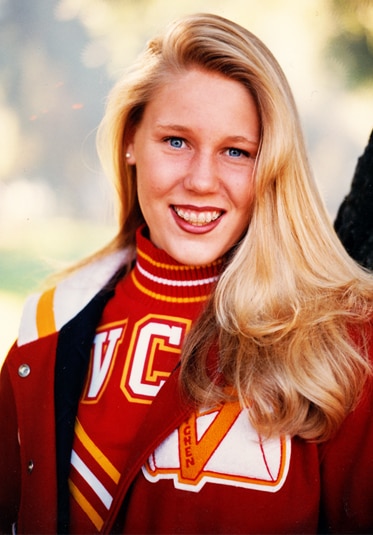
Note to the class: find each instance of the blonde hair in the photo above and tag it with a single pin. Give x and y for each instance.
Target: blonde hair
(285, 308)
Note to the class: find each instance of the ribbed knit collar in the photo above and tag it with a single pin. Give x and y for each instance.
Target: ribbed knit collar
(159, 276)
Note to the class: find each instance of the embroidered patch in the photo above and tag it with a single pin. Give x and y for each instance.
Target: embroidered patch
(221, 447)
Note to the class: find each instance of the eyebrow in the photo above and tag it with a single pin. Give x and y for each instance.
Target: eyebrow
(173, 126)
(182, 129)
(243, 139)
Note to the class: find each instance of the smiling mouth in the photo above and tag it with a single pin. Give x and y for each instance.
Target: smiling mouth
(197, 218)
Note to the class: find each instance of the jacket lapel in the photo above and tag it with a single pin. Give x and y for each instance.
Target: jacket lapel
(168, 410)
(72, 361)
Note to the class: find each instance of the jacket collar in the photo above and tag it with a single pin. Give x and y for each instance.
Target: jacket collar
(72, 360)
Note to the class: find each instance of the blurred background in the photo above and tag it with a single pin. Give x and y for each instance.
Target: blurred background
(58, 60)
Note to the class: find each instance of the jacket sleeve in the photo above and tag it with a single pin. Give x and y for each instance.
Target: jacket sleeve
(27, 443)
(347, 472)
(10, 471)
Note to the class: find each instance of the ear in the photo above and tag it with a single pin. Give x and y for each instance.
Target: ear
(130, 154)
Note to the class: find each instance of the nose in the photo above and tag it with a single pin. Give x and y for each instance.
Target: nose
(202, 175)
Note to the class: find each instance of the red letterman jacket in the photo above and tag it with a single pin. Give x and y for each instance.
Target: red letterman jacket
(40, 385)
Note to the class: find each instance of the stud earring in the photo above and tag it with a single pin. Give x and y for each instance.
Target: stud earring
(128, 155)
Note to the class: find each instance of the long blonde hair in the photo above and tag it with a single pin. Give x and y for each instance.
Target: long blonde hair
(285, 309)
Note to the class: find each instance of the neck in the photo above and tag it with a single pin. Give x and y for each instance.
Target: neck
(158, 274)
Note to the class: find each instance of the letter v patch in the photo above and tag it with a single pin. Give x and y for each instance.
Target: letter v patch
(220, 446)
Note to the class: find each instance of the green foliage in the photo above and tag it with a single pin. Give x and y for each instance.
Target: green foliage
(350, 47)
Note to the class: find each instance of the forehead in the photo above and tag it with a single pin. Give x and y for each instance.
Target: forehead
(198, 95)
(196, 78)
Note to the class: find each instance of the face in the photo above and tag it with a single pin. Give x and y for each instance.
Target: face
(194, 153)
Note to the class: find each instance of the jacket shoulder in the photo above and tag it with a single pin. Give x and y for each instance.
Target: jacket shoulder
(47, 312)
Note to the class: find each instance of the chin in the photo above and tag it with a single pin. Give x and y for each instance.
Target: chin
(195, 259)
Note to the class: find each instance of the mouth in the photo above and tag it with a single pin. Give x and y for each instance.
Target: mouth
(197, 218)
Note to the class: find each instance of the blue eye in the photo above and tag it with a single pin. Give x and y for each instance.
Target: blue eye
(175, 142)
(236, 153)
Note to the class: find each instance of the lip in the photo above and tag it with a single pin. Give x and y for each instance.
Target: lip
(201, 227)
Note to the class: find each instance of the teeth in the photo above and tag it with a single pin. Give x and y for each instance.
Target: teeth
(197, 218)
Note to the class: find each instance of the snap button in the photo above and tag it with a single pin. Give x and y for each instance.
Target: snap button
(24, 370)
(30, 466)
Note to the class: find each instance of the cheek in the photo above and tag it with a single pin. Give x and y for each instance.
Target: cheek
(146, 184)
(151, 199)
(244, 195)
(144, 196)
(151, 180)
(245, 208)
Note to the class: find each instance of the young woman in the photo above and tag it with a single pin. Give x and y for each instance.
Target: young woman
(210, 370)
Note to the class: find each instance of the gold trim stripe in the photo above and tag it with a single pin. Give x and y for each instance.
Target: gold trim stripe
(92, 514)
(96, 453)
(167, 298)
(45, 323)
